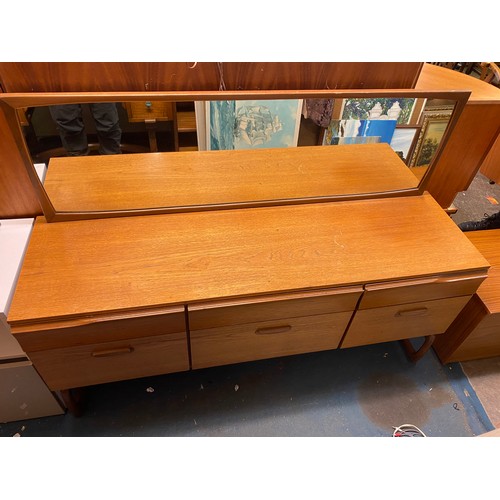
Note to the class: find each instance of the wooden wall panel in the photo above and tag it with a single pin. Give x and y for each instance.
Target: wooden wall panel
(102, 76)
(302, 75)
(491, 164)
(472, 138)
(17, 196)
(116, 76)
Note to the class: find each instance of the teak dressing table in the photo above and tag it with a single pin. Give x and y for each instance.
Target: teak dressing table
(110, 299)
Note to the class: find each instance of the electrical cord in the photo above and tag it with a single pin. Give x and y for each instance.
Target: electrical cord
(407, 430)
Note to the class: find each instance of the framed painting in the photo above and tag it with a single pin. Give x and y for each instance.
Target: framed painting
(433, 128)
(403, 142)
(253, 124)
(359, 131)
(399, 109)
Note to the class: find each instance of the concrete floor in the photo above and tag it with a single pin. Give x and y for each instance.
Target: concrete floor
(480, 199)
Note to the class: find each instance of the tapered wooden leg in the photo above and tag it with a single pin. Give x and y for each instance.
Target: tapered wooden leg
(415, 354)
(74, 401)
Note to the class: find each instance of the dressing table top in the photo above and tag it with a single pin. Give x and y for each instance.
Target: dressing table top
(98, 267)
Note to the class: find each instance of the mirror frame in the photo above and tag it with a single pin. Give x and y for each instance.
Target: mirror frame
(11, 102)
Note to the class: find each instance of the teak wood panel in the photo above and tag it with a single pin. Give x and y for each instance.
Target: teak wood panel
(404, 292)
(475, 333)
(488, 243)
(91, 364)
(483, 341)
(469, 319)
(267, 339)
(92, 330)
(233, 312)
(434, 77)
(135, 263)
(121, 182)
(138, 76)
(403, 321)
(491, 164)
(17, 195)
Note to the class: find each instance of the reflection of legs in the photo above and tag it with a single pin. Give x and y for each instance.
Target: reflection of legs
(68, 118)
(108, 127)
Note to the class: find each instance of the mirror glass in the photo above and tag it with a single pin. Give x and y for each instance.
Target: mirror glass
(135, 155)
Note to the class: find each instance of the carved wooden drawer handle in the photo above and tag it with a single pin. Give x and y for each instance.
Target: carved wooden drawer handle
(113, 352)
(273, 329)
(422, 311)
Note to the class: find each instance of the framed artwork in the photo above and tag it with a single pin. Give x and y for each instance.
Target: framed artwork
(253, 124)
(359, 131)
(434, 124)
(403, 142)
(399, 109)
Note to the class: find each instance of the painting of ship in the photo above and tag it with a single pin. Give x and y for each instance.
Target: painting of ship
(253, 124)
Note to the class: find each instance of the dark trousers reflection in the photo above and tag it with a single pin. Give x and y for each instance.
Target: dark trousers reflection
(71, 127)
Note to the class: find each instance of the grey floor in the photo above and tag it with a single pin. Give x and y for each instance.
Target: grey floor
(480, 199)
(356, 392)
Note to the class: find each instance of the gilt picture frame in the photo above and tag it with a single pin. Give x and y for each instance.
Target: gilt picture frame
(433, 127)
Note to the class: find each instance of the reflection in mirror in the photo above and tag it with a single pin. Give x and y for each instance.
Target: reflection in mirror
(413, 127)
(217, 153)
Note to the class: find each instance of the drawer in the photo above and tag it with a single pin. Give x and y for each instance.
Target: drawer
(417, 290)
(403, 321)
(149, 110)
(270, 308)
(111, 361)
(267, 339)
(97, 329)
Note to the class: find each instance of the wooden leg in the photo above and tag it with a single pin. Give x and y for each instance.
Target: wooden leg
(74, 401)
(414, 355)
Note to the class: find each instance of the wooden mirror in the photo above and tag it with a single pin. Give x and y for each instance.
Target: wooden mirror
(329, 146)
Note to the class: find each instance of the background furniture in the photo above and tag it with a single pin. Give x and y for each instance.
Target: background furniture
(475, 334)
(472, 138)
(23, 394)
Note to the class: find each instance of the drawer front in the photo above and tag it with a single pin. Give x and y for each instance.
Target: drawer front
(267, 339)
(238, 312)
(100, 329)
(111, 361)
(403, 321)
(149, 110)
(417, 290)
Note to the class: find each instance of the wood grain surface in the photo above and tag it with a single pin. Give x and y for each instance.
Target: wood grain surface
(150, 180)
(115, 76)
(132, 263)
(385, 324)
(434, 77)
(488, 243)
(491, 164)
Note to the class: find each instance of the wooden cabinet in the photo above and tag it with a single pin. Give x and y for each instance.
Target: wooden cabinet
(136, 296)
